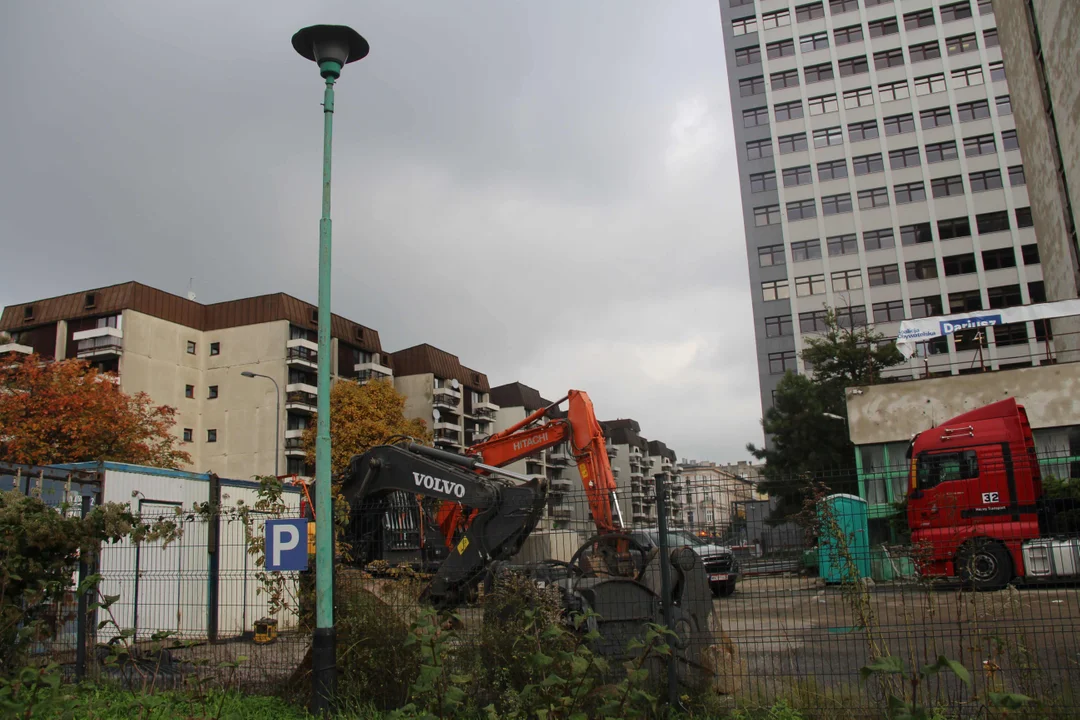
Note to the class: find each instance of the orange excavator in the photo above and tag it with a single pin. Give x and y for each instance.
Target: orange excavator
(587, 446)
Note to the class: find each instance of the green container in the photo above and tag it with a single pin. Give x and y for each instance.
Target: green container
(851, 520)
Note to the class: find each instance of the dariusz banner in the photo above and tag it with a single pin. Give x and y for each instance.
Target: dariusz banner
(921, 329)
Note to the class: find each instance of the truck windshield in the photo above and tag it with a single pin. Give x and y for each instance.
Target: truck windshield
(937, 468)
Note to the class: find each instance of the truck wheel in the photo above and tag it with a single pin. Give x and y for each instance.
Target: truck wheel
(984, 565)
(723, 589)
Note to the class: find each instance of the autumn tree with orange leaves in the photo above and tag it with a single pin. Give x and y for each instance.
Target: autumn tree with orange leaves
(66, 411)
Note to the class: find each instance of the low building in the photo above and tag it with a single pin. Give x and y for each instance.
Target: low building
(713, 493)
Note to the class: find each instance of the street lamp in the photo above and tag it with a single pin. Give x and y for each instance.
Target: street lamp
(277, 418)
(331, 47)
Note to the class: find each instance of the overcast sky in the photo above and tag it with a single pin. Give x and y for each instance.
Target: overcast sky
(546, 189)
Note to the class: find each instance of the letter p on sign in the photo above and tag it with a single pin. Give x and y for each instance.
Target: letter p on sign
(286, 544)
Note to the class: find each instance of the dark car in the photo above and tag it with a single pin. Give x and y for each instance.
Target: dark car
(719, 561)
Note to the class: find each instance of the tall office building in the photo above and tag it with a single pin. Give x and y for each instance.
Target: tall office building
(880, 176)
(1042, 56)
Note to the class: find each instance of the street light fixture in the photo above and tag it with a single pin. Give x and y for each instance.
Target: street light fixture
(331, 47)
(277, 417)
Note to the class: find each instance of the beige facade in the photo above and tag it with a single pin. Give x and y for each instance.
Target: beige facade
(712, 491)
(1042, 57)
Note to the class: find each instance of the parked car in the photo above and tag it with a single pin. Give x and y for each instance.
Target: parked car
(719, 561)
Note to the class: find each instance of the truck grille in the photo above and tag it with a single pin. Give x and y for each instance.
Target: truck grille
(718, 564)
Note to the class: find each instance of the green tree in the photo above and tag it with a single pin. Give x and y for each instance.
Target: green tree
(807, 423)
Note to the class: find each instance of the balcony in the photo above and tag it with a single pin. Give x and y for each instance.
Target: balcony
(445, 402)
(665, 464)
(612, 451)
(299, 354)
(294, 447)
(635, 474)
(16, 348)
(478, 436)
(485, 410)
(301, 398)
(561, 513)
(561, 485)
(445, 392)
(98, 343)
(447, 437)
(368, 371)
(558, 457)
(640, 517)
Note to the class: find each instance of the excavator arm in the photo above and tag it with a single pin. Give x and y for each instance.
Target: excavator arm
(504, 516)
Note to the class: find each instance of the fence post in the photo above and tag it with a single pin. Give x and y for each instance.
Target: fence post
(665, 584)
(213, 544)
(80, 620)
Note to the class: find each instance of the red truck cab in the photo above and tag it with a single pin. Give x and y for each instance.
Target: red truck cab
(975, 495)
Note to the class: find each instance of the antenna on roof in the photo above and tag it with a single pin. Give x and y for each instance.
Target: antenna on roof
(190, 292)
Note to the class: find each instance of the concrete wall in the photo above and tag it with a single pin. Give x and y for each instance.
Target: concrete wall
(895, 412)
(1058, 26)
(419, 394)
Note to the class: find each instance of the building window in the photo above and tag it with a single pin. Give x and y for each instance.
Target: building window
(755, 117)
(948, 186)
(997, 221)
(779, 326)
(878, 239)
(921, 19)
(935, 117)
(1010, 334)
(757, 149)
(813, 321)
(1008, 140)
(788, 111)
(979, 145)
(999, 259)
(1016, 175)
(744, 26)
(867, 164)
(894, 91)
(786, 79)
(966, 77)
(890, 311)
(191, 347)
(822, 104)
(836, 204)
(781, 362)
(853, 66)
(962, 264)
(985, 180)
(792, 143)
(874, 197)
(770, 255)
(1030, 253)
(215, 348)
(990, 38)
(899, 124)
(997, 71)
(801, 210)
(976, 110)
(921, 270)
(774, 290)
(883, 275)
(843, 280)
(952, 228)
(924, 51)
(909, 193)
(1004, 105)
(780, 48)
(888, 58)
(963, 43)
(213, 392)
(801, 175)
(805, 250)
(1037, 291)
(842, 245)
(748, 87)
(89, 300)
(1004, 296)
(1023, 218)
(827, 136)
(930, 84)
(926, 306)
(867, 130)
(776, 19)
(188, 434)
(832, 170)
(211, 436)
(818, 73)
(917, 234)
(881, 28)
(851, 317)
(815, 41)
(904, 158)
(747, 56)
(861, 97)
(809, 285)
(763, 182)
(986, 7)
(956, 11)
(940, 152)
(811, 11)
(740, 3)
(837, 7)
(847, 35)
(189, 391)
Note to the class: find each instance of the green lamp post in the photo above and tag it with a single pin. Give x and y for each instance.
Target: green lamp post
(331, 47)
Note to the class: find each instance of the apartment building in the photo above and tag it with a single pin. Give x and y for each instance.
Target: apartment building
(1041, 53)
(881, 177)
(452, 399)
(191, 356)
(714, 491)
(631, 463)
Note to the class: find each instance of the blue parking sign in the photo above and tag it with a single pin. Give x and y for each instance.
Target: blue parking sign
(286, 544)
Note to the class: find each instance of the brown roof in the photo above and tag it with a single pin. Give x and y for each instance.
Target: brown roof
(173, 308)
(661, 449)
(517, 394)
(625, 431)
(423, 359)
